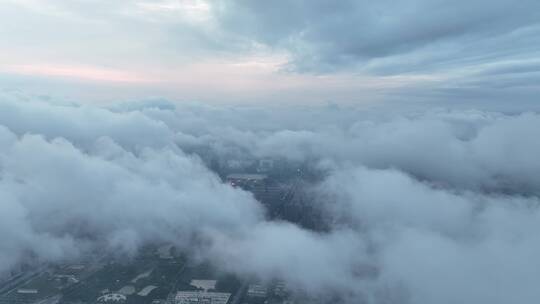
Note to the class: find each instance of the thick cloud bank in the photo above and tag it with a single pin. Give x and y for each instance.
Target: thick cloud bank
(388, 36)
(424, 207)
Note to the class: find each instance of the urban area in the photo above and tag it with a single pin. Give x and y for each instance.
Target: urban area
(162, 274)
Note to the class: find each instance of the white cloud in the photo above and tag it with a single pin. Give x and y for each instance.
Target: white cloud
(425, 207)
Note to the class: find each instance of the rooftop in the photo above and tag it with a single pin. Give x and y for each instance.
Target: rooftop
(204, 284)
(203, 297)
(246, 176)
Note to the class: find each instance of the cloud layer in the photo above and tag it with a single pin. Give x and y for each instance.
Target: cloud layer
(431, 34)
(425, 207)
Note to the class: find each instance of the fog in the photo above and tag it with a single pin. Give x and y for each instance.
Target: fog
(425, 206)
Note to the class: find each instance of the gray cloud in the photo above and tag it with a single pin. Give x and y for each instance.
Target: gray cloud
(481, 52)
(475, 145)
(445, 246)
(324, 35)
(65, 197)
(426, 206)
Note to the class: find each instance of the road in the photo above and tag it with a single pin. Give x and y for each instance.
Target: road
(20, 281)
(240, 293)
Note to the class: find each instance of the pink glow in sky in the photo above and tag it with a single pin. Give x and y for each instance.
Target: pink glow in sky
(171, 48)
(160, 48)
(87, 73)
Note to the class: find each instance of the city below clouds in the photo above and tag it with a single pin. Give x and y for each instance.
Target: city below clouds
(389, 149)
(441, 205)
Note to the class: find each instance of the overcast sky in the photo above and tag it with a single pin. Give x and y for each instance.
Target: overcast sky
(298, 51)
(425, 131)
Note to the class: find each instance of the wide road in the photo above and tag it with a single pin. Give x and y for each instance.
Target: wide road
(20, 281)
(240, 293)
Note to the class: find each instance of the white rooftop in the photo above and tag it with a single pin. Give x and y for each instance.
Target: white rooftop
(204, 284)
(246, 176)
(192, 297)
(112, 298)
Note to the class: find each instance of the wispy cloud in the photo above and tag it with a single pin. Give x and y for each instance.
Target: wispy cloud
(78, 72)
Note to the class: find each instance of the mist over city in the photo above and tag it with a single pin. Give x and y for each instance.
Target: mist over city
(269, 152)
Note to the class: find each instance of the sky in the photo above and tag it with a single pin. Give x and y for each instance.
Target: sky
(420, 117)
(273, 52)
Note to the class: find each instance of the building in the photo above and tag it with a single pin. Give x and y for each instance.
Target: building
(245, 180)
(280, 289)
(257, 291)
(27, 291)
(265, 165)
(112, 298)
(201, 297)
(68, 278)
(239, 164)
(205, 285)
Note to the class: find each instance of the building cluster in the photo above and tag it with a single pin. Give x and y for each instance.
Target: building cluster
(201, 297)
(262, 165)
(112, 298)
(257, 291)
(273, 293)
(246, 181)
